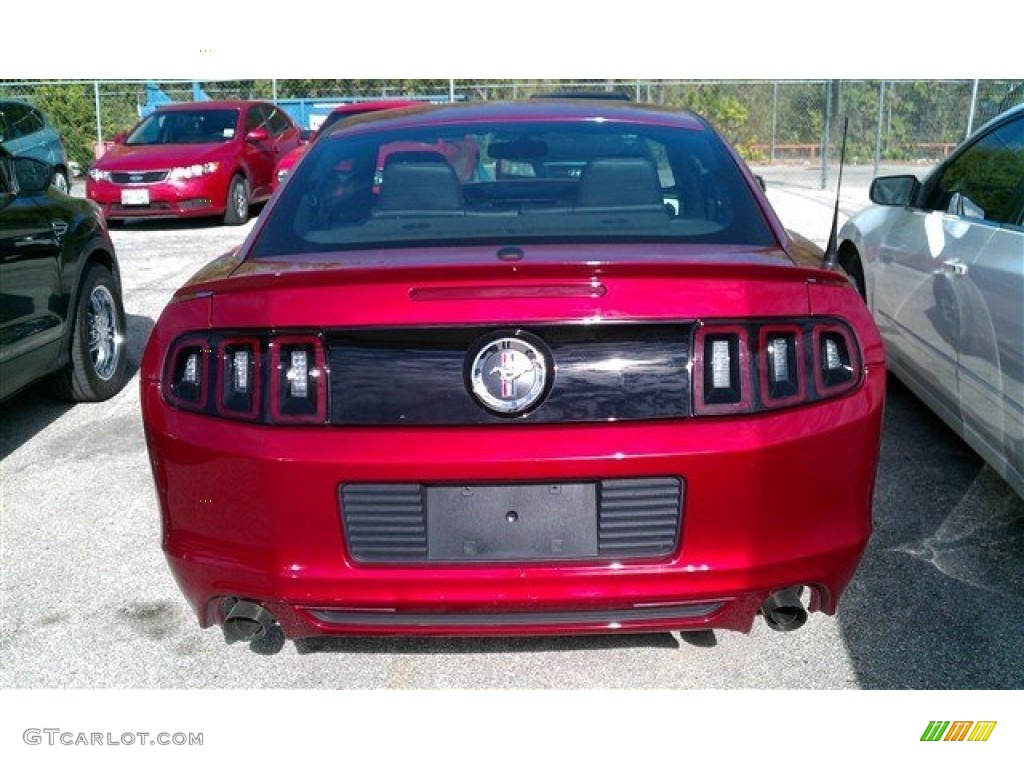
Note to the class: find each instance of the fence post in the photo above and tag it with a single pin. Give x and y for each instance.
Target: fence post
(775, 117)
(826, 133)
(878, 132)
(99, 120)
(974, 103)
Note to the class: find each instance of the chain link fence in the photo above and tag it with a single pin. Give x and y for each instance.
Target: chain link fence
(789, 130)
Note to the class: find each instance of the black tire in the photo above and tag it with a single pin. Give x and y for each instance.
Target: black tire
(850, 262)
(98, 349)
(238, 203)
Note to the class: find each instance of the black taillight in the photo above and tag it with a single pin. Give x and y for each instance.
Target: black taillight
(781, 365)
(764, 365)
(837, 363)
(253, 376)
(239, 386)
(298, 388)
(721, 370)
(187, 373)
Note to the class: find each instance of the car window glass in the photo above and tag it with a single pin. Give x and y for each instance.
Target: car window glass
(149, 131)
(6, 186)
(540, 183)
(257, 118)
(985, 182)
(207, 126)
(278, 122)
(33, 121)
(16, 115)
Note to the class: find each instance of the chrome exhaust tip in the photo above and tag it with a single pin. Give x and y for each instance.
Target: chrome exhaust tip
(783, 610)
(247, 621)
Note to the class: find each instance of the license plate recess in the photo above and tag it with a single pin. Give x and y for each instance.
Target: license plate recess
(511, 522)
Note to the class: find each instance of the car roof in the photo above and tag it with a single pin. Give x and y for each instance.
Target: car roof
(358, 106)
(204, 105)
(543, 110)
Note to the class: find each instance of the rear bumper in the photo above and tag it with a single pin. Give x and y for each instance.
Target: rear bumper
(777, 501)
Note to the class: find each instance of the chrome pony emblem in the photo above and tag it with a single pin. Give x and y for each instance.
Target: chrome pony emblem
(509, 375)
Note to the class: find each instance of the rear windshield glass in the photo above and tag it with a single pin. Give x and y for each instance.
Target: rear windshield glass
(207, 126)
(513, 183)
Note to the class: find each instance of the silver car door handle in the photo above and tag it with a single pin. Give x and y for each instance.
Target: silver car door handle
(954, 266)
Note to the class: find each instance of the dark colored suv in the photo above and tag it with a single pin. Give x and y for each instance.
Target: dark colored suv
(61, 314)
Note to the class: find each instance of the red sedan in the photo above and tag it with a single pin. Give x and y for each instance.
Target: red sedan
(591, 386)
(210, 158)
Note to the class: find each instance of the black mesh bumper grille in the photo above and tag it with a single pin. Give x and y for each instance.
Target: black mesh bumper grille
(633, 518)
(139, 177)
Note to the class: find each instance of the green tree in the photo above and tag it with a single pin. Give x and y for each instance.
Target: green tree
(72, 112)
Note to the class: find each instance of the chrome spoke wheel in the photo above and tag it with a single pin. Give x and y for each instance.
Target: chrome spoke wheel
(105, 337)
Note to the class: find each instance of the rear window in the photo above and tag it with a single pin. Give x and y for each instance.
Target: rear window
(513, 183)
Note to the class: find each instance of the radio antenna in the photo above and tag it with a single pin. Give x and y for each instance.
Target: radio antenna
(832, 249)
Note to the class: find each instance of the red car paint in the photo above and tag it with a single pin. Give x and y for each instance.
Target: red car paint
(245, 154)
(770, 500)
(339, 114)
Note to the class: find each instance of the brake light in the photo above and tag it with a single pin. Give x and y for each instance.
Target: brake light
(187, 373)
(782, 372)
(253, 377)
(298, 380)
(722, 369)
(239, 385)
(760, 366)
(835, 349)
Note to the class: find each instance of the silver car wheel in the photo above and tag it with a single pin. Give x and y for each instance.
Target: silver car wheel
(105, 338)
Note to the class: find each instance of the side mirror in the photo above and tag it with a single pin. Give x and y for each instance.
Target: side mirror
(34, 176)
(306, 135)
(761, 183)
(894, 190)
(120, 137)
(257, 135)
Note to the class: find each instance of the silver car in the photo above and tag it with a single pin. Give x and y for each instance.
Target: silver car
(941, 265)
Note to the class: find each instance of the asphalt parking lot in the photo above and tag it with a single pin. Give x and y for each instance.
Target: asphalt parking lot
(88, 602)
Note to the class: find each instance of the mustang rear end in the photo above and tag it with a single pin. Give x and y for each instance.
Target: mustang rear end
(546, 411)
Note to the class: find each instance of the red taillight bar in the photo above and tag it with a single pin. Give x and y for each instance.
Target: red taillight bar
(249, 376)
(293, 401)
(822, 359)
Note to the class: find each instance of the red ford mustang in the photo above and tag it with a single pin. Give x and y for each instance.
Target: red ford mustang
(592, 385)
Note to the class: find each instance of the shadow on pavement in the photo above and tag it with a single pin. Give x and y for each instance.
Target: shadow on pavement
(32, 410)
(938, 601)
(516, 645)
(175, 225)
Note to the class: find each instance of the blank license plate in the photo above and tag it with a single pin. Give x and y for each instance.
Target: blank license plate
(511, 522)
